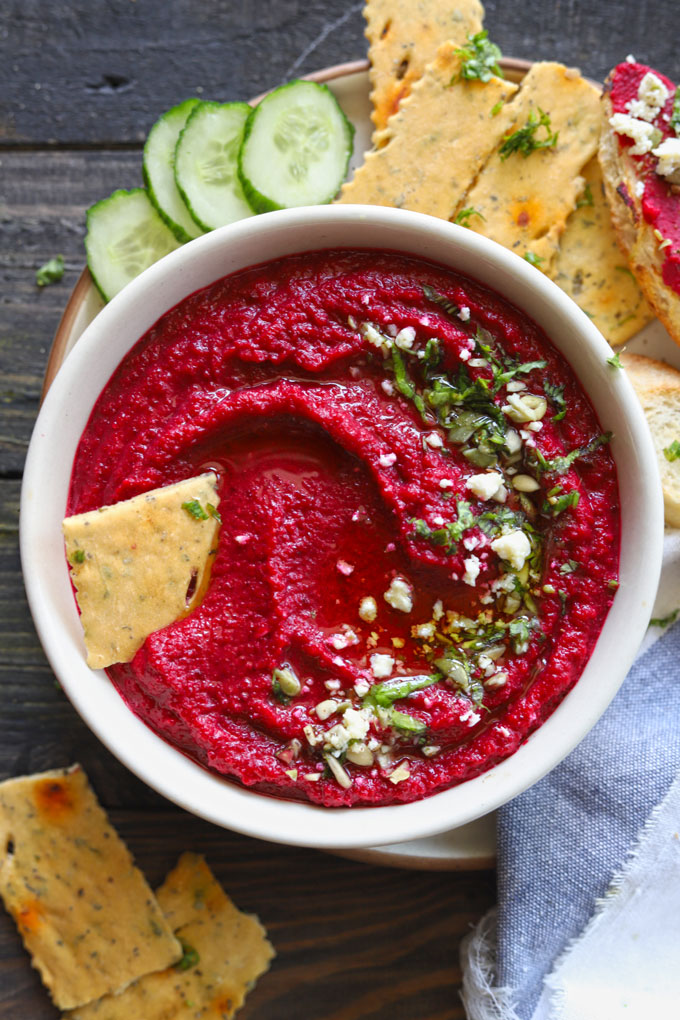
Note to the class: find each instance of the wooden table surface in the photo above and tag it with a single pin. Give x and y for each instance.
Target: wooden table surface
(81, 82)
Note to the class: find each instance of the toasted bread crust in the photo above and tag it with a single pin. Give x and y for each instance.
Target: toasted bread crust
(636, 237)
(658, 388)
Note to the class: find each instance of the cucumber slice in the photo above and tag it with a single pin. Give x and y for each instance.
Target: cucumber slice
(124, 236)
(296, 148)
(159, 171)
(206, 164)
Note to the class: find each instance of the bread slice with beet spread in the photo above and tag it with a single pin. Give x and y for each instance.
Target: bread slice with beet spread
(640, 159)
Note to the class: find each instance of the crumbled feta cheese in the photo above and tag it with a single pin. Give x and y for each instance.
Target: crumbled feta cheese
(501, 495)
(344, 639)
(640, 188)
(399, 595)
(630, 59)
(242, 539)
(392, 329)
(465, 354)
(387, 460)
(336, 737)
(438, 521)
(357, 722)
(497, 680)
(652, 96)
(362, 687)
(438, 610)
(514, 548)
(668, 155)
(405, 338)
(368, 609)
(464, 313)
(434, 440)
(640, 131)
(484, 485)
(387, 387)
(471, 543)
(374, 336)
(332, 685)
(472, 567)
(381, 665)
(445, 483)
(535, 426)
(398, 642)
(424, 631)
(345, 568)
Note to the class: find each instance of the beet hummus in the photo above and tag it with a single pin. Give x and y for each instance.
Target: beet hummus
(420, 524)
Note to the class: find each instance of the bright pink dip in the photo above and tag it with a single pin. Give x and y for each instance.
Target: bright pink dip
(271, 378)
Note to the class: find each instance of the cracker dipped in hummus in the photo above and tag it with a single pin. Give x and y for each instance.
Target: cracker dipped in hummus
(420, 524)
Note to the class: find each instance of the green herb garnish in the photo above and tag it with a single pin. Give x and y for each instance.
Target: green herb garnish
(189, 957)
(615, 361)
(556, 504)
(195, 510)
(479, 59)
(675, 115)
(533, 259)
(464, 216)
(438, 299)
(50, 272)
(389, 691)
(213, 511)
(665, 621)
(524, 139)
(586, 198)
(78, 556)
(626, 271)
(520, 630)
(562, 464)
(672, 452)
(406, 723)
(555, 394)
(496, 108)
(569, 567)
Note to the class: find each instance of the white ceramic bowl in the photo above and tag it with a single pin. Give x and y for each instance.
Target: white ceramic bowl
(89, 367)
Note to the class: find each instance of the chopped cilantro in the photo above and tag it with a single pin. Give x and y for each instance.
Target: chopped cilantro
(556, 504)
(189, 957)
(586, 198)
(533, 259)
(563, 599)
(213, 511)
(78, 556)
(675, 115)
(479, 59)
(50, 272)
(520, 630)
(524, 139)
(672, 452)
(615, 361)
(195, 510)
(451, 533)
(665, 621)
(562, 464)
(496, 108)
(456, 667)
(463, 217)
(569, 567)
(555, 394)
(438, 299)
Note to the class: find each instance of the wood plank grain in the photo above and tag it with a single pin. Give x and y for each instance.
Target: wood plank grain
(98, 72)
(353, 941)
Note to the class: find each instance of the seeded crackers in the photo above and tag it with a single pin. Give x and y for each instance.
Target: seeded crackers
(84, 911)
(141, 564)
(403, 37)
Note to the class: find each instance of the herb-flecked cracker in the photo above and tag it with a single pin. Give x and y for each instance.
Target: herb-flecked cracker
(403, 37)
(532, 182)
(225, 951)
(437, 142)
(84, 911)
(590, 268)
(141, 564)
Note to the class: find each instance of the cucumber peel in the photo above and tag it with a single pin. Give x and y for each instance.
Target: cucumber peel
(296, 148)
(158, 167)
(125, 235)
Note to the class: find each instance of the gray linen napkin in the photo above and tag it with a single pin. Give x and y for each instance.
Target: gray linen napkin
(561, 842)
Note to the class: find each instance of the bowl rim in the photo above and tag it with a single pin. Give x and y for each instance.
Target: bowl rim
(168, 770)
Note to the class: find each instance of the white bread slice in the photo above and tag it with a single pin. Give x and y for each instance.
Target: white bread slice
(658, 388)
(636, 237)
